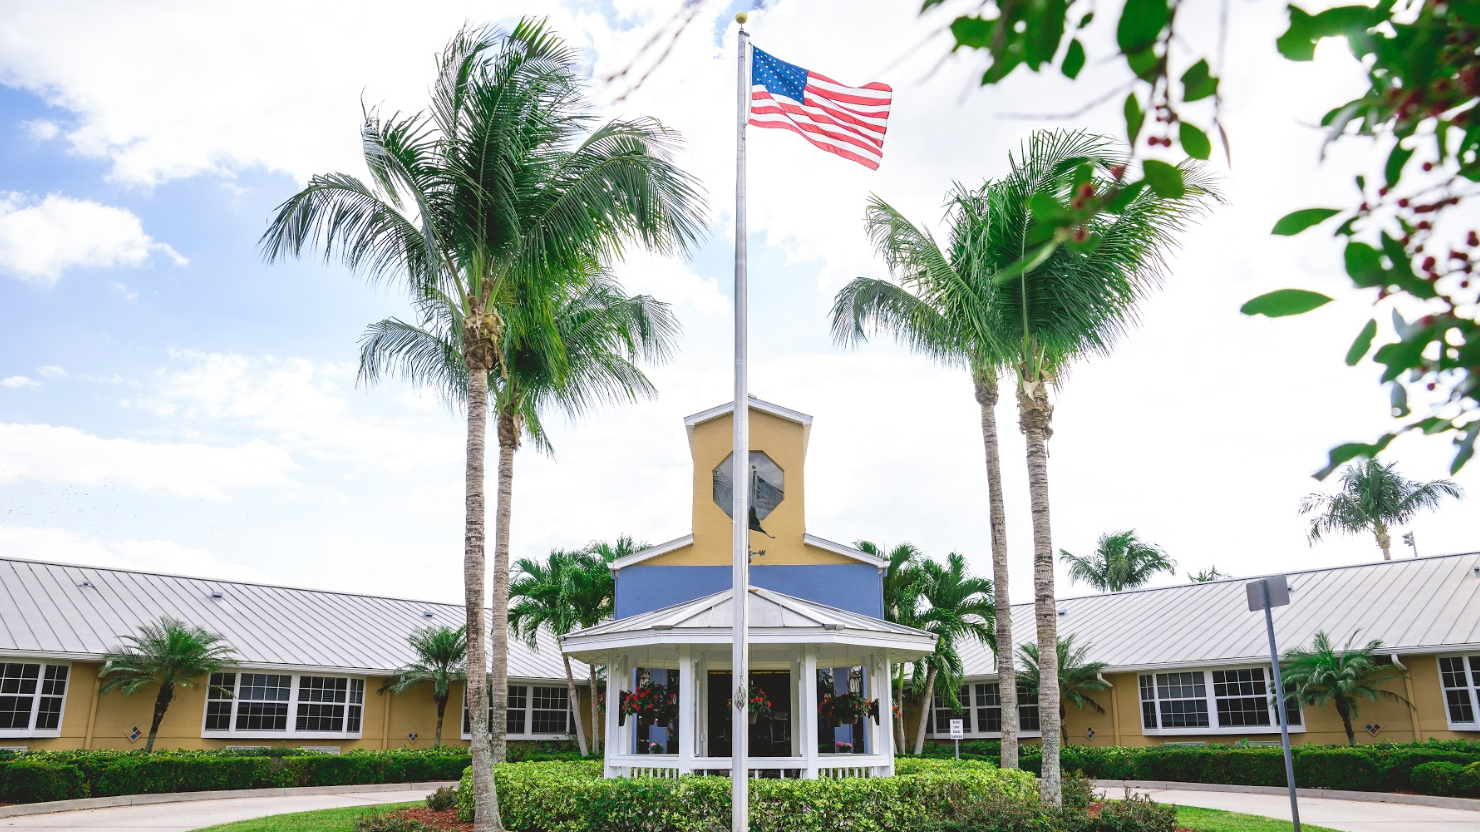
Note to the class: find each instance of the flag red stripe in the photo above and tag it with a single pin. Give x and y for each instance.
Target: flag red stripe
(830, 148)
(810, 126)
(876, 85)
(869, 133)
(863, 122)
(822, 92)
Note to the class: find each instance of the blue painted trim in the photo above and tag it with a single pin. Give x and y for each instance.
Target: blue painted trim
(857, 587)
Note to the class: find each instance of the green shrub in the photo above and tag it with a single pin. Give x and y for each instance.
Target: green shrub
(163, 774)
(380, 820)
(1447, 779)
(1136, 813)
(38, 782)
(1337, 768)
(573, 797)
(442, 799)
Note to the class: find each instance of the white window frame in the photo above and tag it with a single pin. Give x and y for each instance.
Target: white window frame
(969, 716)
(1210, 694)
(290, 731)
(30, 730)
(1472, 666)
(529, 710)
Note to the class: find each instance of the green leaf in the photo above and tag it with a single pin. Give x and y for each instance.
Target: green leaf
(1195, 142)
(1141, 23)
(1083, 21)
(1364, 264)
(1351, 450)
(1045, 208)
(1363, 343)
(1297, 221)
(1198, 82)
(1393, 171)
(1283, 302)
(1127, 194)
(1398, 400)
(1165, 179)
(1401, 356)
(1466, 445)
(1037, 258)
(1142, 62)
(1073, 59)
(1297, 43)
(1134, 118)
(973, 32)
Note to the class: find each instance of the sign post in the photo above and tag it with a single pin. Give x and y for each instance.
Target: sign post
(958, 730)
(1266, 594)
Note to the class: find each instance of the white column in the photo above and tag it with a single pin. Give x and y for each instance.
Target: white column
(687, 710)
(613, 706)
(808, 708)
(884, 731)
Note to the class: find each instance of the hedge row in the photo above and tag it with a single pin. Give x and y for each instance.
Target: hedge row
(65, 775)
(1447, 779)
(1383, 767)
(573, 797)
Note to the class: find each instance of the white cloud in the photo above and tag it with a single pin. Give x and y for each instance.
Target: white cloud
(58, 545)
(52, 454)
(40, 129)
(17, 382)
(51, 371)
(41, 239)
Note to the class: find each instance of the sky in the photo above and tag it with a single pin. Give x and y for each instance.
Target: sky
(170, 402)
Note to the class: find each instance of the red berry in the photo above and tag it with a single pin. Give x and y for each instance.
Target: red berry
(1087, 191)
(1428, 166)
(1472, 239)
(1383, 191)
(1403, 203)
(1432, 386)
(1117, 171)
(1428, 263)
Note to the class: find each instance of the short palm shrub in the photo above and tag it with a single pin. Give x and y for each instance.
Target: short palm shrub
(442, 799)
(1136, 813)
(381, 820)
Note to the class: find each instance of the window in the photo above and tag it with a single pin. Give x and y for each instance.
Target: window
(549, 714)
(767, 484)
(1228, 700)
(31, 698)
(282, 703)
(1461, 686)
(983, 711)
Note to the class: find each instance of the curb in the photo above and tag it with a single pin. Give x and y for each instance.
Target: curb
(1462, 803)
(189, 797)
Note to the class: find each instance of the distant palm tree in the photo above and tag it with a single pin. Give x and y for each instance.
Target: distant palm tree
(1373, 498)
(495, 207)
(1324, 675)
(1121, 561)
(941, 307)
(1207, 575)
(592, 595)
(1078, 677)
(540, 597)
(901, 600)
(955, 606)
(170, 654)
(441, 654)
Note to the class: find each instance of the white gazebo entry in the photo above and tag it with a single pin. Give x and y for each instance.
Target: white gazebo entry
(801, 653)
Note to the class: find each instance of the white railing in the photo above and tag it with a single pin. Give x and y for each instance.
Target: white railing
(833, 766)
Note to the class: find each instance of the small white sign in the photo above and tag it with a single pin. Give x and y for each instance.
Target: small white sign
(958, 729)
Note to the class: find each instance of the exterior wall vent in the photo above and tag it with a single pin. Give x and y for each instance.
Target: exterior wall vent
(218, 594)
(426, 614)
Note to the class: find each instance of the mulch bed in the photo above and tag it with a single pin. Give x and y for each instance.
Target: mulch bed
(446, 821)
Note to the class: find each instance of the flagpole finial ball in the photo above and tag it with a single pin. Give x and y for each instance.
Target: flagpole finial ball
(741, 17)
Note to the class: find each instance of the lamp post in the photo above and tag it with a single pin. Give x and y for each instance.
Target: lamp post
(1266, 594)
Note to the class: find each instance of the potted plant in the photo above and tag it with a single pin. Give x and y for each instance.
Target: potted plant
(757, 704)
(651, 703)
(841, 709)
(843, 747)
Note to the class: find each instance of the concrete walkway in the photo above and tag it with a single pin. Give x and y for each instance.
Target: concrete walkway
(1345, 815)
(179, 817)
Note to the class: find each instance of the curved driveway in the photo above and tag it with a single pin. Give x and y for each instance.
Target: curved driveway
(1346, 815)
(179, 817)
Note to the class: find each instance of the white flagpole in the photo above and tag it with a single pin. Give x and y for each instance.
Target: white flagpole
(740, 471)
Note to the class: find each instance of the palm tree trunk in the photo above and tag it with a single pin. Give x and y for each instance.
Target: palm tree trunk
(485, 796)
(441, 712)
(161, 704)
(1036, 415)
(986, 397)
(898, 718)
(595, 719)
(575, 706)
(928, 700)
(1384, 542)
(1345, 713)
(508, 443)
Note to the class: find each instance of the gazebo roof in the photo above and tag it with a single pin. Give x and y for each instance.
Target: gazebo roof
(774, 619)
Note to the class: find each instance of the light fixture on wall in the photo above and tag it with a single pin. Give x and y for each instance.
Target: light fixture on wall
(855, 680)
(643, 676)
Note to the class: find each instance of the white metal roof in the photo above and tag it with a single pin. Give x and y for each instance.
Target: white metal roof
(773, 617)
(1413, 605)
(756, 404)
(78, 612)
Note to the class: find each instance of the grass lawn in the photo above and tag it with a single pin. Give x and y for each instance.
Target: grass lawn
(1213, 820)
(324, 820)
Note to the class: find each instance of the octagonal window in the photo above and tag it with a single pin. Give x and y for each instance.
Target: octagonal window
(767, 484)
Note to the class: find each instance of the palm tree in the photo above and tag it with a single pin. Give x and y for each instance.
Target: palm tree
(170, 654)
(901, 601)
(1078, 677)
(940, 307)
(540, 598)
(440, 656)
(1207, 575)
(1121, 561)
(1373, 497)
(955, 606)
(1324, 675)
(593, 596)
(496, 207)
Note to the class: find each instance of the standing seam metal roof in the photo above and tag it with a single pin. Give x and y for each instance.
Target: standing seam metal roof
(46, 610)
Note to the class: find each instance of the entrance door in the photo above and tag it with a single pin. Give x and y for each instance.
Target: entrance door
(770, 736)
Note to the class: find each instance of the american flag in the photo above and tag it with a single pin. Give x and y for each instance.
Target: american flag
(848, 121)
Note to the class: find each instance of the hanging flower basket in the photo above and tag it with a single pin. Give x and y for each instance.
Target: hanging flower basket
(841, 709)
(651, 704)
(757, 704)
